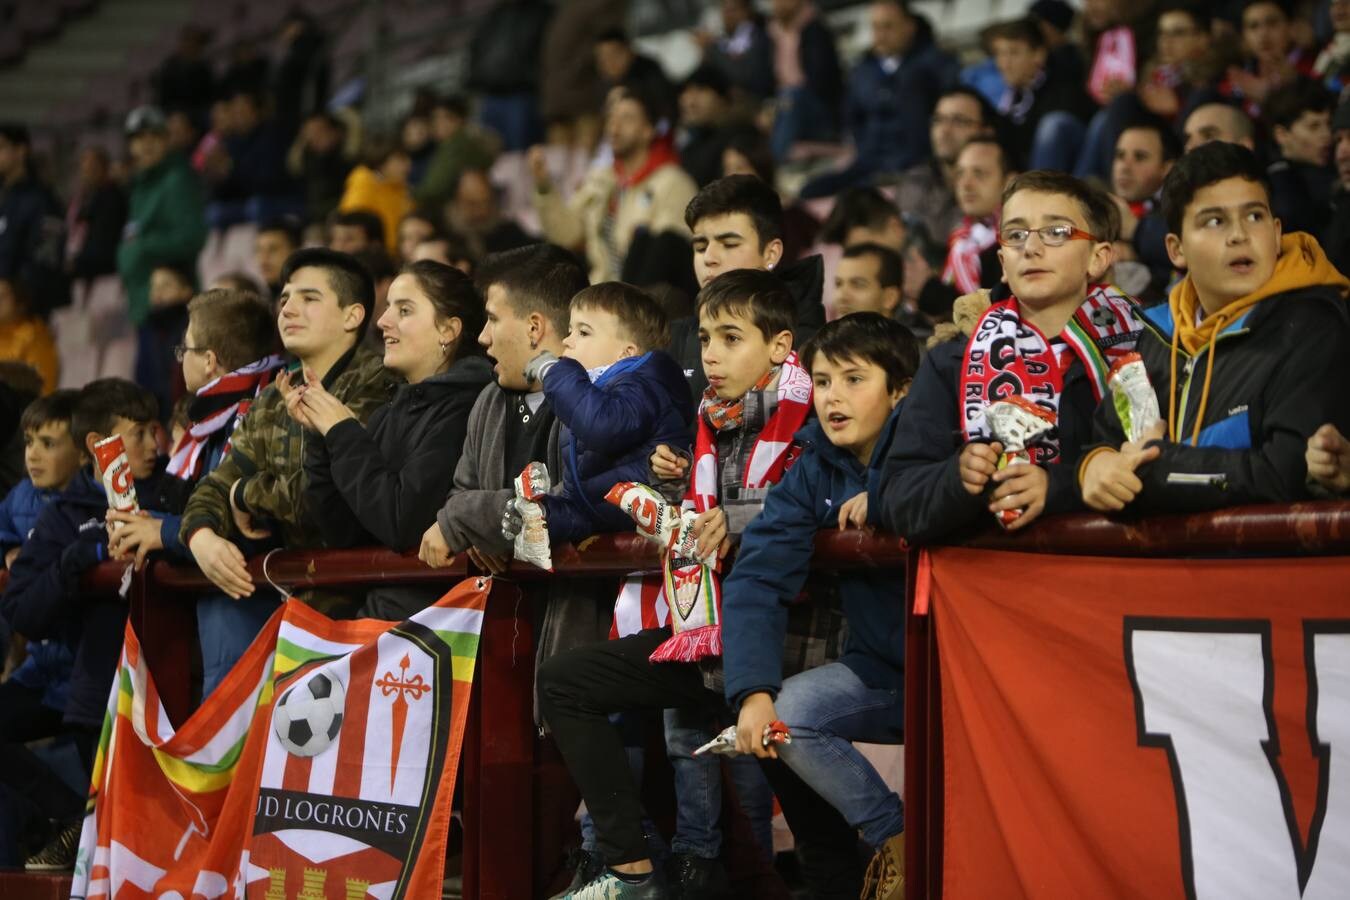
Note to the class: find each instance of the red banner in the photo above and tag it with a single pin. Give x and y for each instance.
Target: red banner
(1143, 728)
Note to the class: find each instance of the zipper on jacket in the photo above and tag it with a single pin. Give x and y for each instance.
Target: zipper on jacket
(1188, 370)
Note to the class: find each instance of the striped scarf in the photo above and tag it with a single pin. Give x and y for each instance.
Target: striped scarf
(968, 240)
(220, 404)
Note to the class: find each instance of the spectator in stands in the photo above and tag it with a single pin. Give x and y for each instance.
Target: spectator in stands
(24, 337)
(1337, 240)
(983, 170)
(1328, 459)
(448, 250)
(943, 474)
(97, 216)
(356, 231)
(507, 91)
(645, 190)
(413, 229)
(704, 127)
(864, 216)
(1333, 63)
(568, 81)
(256, 491)
(381, 186)
(743, 51)
(415, 138)
(1299, 119)
(512, 423)
(459, 147)
(319, 160)
(32, 233)
(1055, 20)
(475, 215)
(926, 189)
(1273, 59)
(806, 67)
(1276, 306)
(275, 243)
(184, 135)
(300, 83)
(43, 600)
(868, 279)
(620, 65)
(748, 153)
(247, 71)
(51, 460)
(171, 287)
(891, 95)
(1047, 113)
(746, 317)
(384, 483)
(618, 395)
(1218, 121)
(861, 366)
(185, 82)
(1145, 153)
(247, 169)
(166, 226)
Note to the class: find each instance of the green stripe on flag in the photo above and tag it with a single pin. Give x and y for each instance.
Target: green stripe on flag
(461, 643)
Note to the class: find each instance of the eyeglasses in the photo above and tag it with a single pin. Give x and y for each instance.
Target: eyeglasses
(1051, 236)
(183, 350)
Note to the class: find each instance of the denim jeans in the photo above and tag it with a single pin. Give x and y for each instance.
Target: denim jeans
(225, 628)
(1057, 141)
(698, 787)
(827, 708)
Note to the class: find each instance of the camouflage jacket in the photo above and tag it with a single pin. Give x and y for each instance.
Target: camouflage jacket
(267, 455)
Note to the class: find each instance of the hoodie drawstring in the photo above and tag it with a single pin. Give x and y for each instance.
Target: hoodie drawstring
(1220, 320)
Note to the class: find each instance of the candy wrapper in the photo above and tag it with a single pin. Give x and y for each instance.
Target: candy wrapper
(725, 743)
(1135, 401)
(669, 527)
(112, 459)
(532, 542)
(1017, 423)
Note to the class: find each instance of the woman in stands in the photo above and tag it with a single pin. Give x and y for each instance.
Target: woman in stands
(384, 482)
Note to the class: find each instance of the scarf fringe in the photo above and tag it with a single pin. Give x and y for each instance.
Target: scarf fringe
(690, 645)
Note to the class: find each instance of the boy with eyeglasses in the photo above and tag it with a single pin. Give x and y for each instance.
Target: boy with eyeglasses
(1049, 346)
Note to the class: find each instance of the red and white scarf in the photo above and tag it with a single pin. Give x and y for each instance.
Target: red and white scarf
(644, 602)
(220, 404)
(967, 241)
(1009, 357)
(1115, 60)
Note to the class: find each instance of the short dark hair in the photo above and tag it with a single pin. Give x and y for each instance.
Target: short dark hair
(754, 146)
(240, 281)
(102, 402)
(235, 325)
(867, 337)
(640, 315)
(988, 115)
(747, 194)
(890, 267)
(652, 107)
(185, 274)
(1198, 14)
(347, 276)
(453, 296)
(58, 406)
(1100, 211)
(540, 278)
(858, 207)
(1214, 162)
(364, 219)
(752, 294)
(1007, 156)
(612, 35)
(1167, 137)
(1285, 105)
(377, 262)
(1024, 30)
(286, 225)
(1279, 4)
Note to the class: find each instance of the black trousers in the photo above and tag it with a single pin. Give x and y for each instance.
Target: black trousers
(23, 718)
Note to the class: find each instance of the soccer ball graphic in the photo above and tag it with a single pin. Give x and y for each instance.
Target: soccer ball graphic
(308, 716)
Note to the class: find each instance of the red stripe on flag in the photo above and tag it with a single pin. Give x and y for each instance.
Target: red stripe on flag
(355, 719)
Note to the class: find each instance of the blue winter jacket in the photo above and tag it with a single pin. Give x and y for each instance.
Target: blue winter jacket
(888, 113)
(610, 429)
(774, 561)
(19, 512)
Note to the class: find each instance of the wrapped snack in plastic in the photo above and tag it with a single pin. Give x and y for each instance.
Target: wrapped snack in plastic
(725, 743)
(118, 484)
(1017, 423)
(532, 542)
(1132, 393)
(669, 527)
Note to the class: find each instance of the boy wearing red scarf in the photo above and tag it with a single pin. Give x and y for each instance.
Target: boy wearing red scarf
(758, 397)
(1047, 349)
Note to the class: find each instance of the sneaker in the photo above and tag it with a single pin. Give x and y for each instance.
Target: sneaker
(885, 878)
(695, 878)
(609, 886)
(59, 854)
(586, 867)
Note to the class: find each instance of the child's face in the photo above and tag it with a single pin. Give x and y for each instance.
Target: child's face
(1041, 276)
(852, 402)
(139, 440)
(167, 288)
(1017, 61)
(197, 371)
(730, 242)
(597, 338)
(1265, 31)
(50, 455)
(857, 287)
(1229, 241)
(736, 354)
(1307, 139)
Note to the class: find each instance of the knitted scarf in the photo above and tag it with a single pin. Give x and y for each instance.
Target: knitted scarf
(1008, 357)
(220, 404)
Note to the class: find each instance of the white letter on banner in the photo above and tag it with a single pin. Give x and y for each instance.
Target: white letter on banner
(1205, 697)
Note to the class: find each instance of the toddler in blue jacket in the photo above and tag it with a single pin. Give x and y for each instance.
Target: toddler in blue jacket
(618, 398)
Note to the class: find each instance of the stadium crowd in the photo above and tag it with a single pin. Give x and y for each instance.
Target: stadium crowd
(1170, 180)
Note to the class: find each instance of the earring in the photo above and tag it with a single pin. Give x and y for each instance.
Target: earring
(445, 348)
